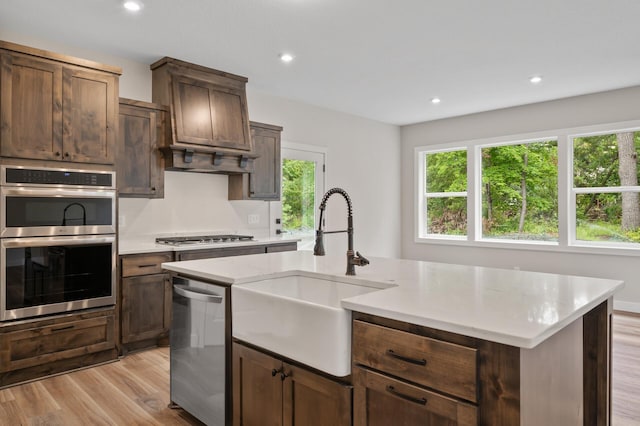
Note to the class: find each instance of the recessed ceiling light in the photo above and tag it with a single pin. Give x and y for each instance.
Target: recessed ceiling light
(435, 101)
(535, 79)
(286, 57)
(132, 6)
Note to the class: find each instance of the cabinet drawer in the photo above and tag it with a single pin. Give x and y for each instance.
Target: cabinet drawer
(275, 248)
(144, 265)
(440, 365)
(41, 345)
(220, 252)
(382, 400)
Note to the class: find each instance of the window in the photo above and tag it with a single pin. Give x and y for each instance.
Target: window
(520, 191)
(605, 189)
(444, 194)
(577, 189)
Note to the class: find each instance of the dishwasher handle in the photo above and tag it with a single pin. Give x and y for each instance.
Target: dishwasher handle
(197, 294)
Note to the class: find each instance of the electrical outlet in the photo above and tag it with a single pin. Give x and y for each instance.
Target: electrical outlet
(253, 219)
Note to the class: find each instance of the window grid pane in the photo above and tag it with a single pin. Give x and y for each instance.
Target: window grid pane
(520, 191)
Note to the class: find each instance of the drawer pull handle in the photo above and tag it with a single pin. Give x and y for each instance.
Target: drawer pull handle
(66, 327)
(393, 391)
(391, 353)
(151, 265)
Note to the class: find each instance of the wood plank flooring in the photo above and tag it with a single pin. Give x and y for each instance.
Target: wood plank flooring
(625, 373)
(135, 390)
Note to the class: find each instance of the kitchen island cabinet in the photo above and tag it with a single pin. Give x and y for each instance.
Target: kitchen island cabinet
(481, 345)
(73, 103)
(268, 390)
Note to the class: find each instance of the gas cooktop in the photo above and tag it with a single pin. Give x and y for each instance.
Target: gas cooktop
(203, 239)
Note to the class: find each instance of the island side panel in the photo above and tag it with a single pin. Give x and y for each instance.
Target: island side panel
(551, 379)
(499, 375)
(597, 364)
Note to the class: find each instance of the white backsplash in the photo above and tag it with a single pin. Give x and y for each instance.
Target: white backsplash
(193, 202)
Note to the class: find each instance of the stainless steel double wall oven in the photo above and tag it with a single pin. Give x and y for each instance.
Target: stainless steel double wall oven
(57, 240)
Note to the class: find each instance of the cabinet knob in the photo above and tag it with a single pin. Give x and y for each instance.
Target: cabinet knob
(153, 189)
(57, 153)
(66, 154)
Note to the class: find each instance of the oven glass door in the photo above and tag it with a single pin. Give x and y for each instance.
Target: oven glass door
(30, 212)
(56, 274)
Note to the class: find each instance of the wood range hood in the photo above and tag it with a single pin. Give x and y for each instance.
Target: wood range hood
(209, 118)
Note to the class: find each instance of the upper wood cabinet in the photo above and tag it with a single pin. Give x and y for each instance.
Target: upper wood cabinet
(210, 119)
(54, 107)
(140, 164)
(264, 182)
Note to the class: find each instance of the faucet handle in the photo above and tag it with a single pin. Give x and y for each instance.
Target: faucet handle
(362, 261)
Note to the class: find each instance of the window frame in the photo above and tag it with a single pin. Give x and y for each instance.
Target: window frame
(423, 195)
(575, 191)
(567, 241)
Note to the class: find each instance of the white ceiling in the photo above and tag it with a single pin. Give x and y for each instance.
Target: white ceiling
(380, 59)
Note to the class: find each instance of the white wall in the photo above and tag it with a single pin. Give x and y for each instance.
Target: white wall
(600, 108)
(363, 158)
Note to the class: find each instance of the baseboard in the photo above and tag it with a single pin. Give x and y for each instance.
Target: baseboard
(619, 305)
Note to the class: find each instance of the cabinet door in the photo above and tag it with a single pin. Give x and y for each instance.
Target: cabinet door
(313, 400)
(380, 400)
(89, 116)
(209, 114)
(146, 307)
(140, 164)
(257, 388)
(30, 108)
(264, 182)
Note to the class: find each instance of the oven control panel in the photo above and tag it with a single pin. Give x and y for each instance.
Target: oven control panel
(46, 177)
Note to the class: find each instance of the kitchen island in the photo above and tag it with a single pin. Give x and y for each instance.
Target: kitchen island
(535, 347)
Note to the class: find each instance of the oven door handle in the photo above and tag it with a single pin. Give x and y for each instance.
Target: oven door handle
(59, 241)
(197, 294)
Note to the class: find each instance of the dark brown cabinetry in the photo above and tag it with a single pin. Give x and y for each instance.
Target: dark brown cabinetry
(145, 300)
(34, 348)
(209, 115)
(236, 251)
(143, 128)
(270, 391)
(54, 107)
(264, 182)
(441, 369)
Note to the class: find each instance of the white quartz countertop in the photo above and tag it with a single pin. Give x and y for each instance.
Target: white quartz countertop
(516, 308)
(149, 245)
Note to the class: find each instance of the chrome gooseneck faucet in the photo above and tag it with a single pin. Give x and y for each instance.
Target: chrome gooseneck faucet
(318, 248)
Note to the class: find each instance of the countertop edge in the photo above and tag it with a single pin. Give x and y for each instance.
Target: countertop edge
(507, 339)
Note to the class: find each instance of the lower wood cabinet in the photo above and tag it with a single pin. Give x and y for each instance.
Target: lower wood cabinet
(146, 307)
(145, 301)
(382, 400)
(34, 348)
(270, 391)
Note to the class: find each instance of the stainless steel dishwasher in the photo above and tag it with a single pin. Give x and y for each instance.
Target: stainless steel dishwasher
(201, 350)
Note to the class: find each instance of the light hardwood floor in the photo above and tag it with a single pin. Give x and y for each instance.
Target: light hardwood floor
(132, 391)
(626, 370)
(135, 390)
